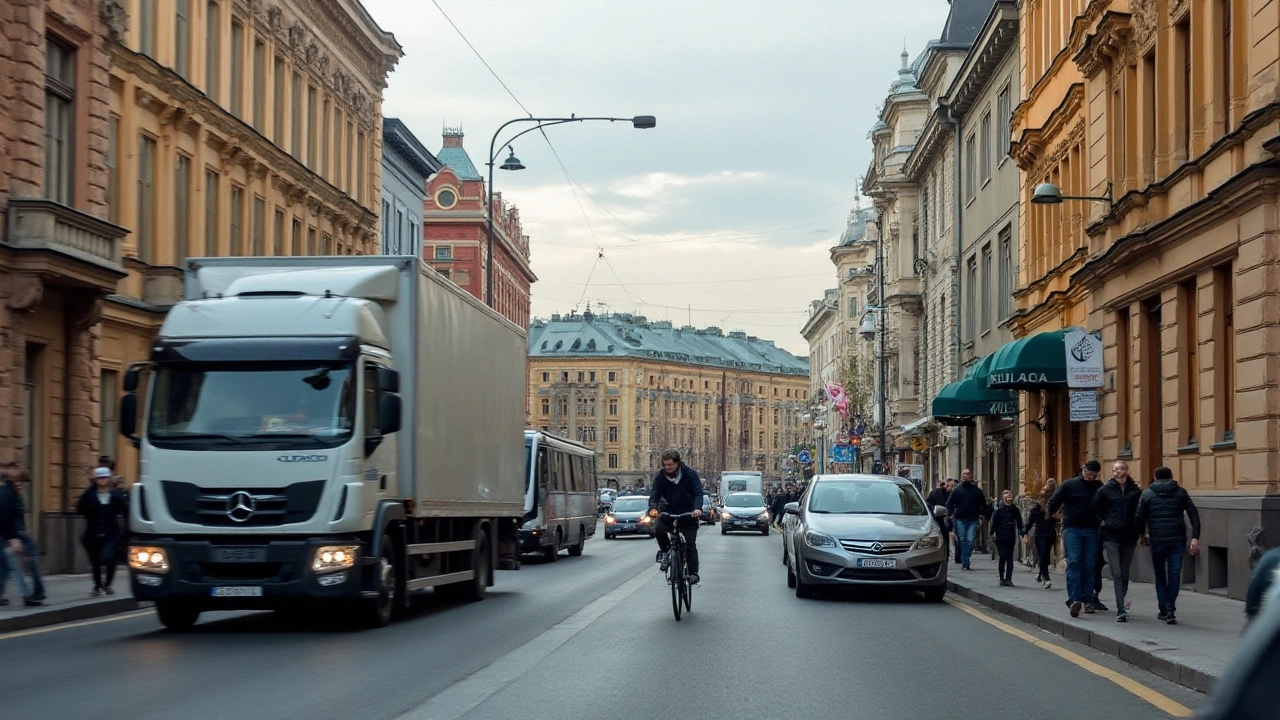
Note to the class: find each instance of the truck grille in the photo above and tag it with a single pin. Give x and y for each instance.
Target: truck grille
(242, 507)
(885, 547)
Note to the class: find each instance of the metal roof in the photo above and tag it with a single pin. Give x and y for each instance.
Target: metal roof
(457, 160)
(634, 336)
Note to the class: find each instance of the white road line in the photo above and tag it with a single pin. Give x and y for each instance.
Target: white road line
(465, 695)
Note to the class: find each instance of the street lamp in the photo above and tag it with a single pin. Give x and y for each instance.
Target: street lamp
(868, 330)
(639, 122)
(1050, 194)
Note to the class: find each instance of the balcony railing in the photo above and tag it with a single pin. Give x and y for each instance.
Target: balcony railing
(40, 224)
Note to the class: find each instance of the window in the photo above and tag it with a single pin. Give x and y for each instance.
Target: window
(181, 209)
(237, 220)
(399, 241)
(371, 400)
(613, 377)
(59, 119)
(564, 377)
(281, 74)
(362, 177)
(591, 377)
(1149, 89)
(108, 427)
(1182, 91)
(326, 244)
(546, 406)
(146, 228)
(970, 168)
(213, 50)
(347, 179)
(260, 86)
(277, 242)
(613, 407)
(1224, 345)
(546, 377)
(313, 134)
(1004, 125)
(1227, 63)
(1007, 272)
(971, 300)
(613, 461)
(113, 168)
(579, 377)
(259, 226)
(325, 139)
(237, 68)
(1123, 386)
(1188, 346)
(295, 247)
(211, 199)
(985, 147)
(295, 102)
(182, 37)
(311, 241)
(988, 279)
(444, 252)
(613, 433)
(147, 27)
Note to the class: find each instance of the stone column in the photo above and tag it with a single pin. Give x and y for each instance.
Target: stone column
(82, 400)
(19, 294)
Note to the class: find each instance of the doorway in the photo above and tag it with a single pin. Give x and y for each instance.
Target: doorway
(32, 445)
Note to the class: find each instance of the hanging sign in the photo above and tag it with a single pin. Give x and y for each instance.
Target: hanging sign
(1084, 359)
(1084, 406)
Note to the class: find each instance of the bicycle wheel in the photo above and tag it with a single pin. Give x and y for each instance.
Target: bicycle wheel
(675, 581)
(686, 593)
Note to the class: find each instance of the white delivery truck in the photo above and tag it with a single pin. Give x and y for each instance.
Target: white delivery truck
(340, 431)
(732, 481)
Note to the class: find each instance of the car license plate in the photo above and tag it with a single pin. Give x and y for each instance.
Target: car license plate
(877, 563)
(237, 591)
(234, 554)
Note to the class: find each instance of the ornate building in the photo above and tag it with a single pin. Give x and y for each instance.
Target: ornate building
(632, 388)
(205, 127)
(1167, 108)
(455, 234)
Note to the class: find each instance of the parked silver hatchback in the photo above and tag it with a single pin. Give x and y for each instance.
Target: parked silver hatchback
(868, 530)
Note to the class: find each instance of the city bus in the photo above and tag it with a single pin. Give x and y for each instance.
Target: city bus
(562, 495)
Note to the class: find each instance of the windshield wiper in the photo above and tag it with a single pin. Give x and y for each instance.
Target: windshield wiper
(281, 435)
(821, 512)
(193, 436)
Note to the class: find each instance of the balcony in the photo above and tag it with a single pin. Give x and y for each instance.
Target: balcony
(69, 247)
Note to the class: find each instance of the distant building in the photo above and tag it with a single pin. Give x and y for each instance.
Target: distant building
(632, 388)
(406, 166)
(455, 233)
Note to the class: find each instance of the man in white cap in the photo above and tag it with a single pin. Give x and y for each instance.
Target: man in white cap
(104, 509)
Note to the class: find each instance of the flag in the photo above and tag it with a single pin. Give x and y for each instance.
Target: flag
(841, 403)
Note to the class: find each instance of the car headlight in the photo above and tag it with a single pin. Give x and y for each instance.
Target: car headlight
(645, 519)
(148, 559)
(332, 558)
(763, 516)
(726, 515)
(931, 541)
(817, 539)
(609, 519)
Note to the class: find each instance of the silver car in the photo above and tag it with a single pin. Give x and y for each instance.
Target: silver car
(863, 530)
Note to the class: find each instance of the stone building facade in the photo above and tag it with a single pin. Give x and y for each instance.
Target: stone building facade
(406, 166)
(632, 388)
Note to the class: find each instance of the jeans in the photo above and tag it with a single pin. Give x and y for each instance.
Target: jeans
(1120, 558)
(965, 531)
(102, 556)
(689, 529)
(32, 566)
(9, 564)
(1167, 557)
(1004, 547)
(1097, 569)
(1081, 548)
(1044, 552)
(946, 540)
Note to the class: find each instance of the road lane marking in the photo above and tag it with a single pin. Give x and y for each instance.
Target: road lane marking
(468, 693)
(67, 626)
(1161, 702)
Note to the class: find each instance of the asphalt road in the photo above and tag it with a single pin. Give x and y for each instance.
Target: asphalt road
(589, 637)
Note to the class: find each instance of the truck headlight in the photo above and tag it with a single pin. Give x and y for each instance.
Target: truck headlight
(931, 541)
(148, 559)
(332, 558)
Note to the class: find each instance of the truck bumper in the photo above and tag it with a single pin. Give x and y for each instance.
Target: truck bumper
(252, 576)
(531, 540)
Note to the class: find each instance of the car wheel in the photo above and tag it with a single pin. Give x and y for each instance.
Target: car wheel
(804, 590)
(784, 552)
(723, 530)
(935, 594)
(576, 550)
(791, 578)
(765, 532)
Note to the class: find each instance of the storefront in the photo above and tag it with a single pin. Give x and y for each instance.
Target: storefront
(987, 420)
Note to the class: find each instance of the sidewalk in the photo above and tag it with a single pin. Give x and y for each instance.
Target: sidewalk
(1192, 653)
(68, 600)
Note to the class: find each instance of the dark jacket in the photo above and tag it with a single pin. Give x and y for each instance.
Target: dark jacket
(682, 497)
(1075, 499)
(1160, 512)
(1116, 507)
(1262, 580)
(13, 523)
(1006, 522)
(968, 502)
(1040, 524)
(103, 519)
(939, 496)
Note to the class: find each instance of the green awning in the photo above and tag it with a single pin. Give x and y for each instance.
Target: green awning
(969, 399)
(1034, 362)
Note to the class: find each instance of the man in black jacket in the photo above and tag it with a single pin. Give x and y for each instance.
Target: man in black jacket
(14, 537)
(965, 506)
(1160, 523)
(1116, 506)
(677, 489)
(937, 498)
(1080, 538)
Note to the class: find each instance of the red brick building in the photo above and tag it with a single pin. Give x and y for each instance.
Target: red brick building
(455, 233)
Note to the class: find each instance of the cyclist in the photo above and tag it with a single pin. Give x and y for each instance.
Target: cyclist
(679, 486)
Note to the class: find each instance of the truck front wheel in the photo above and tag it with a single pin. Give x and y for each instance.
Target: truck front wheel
(378, 610)
(176, 615)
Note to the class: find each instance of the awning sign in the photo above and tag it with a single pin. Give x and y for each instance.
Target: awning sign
(1084, 406)
(1084, 359)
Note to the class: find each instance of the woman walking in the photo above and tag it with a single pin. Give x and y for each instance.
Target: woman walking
(104, 507)
(1044, 530)
(1006, 526)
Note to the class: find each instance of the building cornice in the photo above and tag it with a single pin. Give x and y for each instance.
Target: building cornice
(997, 38)
(1031, 145)
(1092, 12)
(933, 139)
(1109, 44)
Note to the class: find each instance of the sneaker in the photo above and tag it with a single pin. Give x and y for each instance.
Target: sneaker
(693, 578)
(1162, 616)
(1010, 582)
(1171, 619)
(964, 566)
(1048, 584)
(32, 601)
(1122, 617)
(1097, 605)
(660, 557)
(109, 590)
(1075, 609)
(1090, 609)
(665, 564)
(97, 592)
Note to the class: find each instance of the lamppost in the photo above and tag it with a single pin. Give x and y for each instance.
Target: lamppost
(819, 428)
(868, 331)
(640, 122)
(1050, 194)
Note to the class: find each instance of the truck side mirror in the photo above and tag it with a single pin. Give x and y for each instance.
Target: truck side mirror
(131, 378)
(129, 416)
(388, 380)
(389, 411)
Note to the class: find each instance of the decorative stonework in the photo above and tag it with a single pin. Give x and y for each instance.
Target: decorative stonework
(116, 18)
(1177, 8)
(25, 292)
(1146, 20)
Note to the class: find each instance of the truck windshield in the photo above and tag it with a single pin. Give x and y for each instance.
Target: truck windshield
(252, 407)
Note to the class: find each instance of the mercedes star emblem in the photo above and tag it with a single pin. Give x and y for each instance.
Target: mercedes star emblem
(877, 547)
(241, 506)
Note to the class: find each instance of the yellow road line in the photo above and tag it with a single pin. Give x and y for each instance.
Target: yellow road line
(1161, 702)
(67, 626)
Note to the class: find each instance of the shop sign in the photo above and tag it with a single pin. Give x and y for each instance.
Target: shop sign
(1084, 359)
(1084, 406)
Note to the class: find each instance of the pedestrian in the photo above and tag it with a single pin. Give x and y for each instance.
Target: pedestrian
(1043, 529)
(1006, 526)
(104, 508)
(16, 546)
(1116, 506)
(1080, 538)
(778, 507)
(1162, 528)
(938, 499)
(965, 506)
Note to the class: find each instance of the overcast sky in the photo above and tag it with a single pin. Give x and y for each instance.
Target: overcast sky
(730, 205)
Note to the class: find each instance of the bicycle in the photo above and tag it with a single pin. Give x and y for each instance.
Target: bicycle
(677, 569)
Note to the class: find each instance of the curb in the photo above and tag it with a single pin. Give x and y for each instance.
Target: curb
(71, 613)
(1154, 662)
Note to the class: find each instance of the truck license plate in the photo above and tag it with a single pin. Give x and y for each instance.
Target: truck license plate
(235, 554)
(237, 591)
